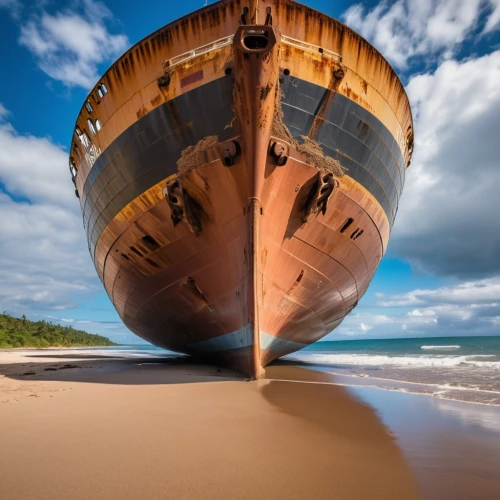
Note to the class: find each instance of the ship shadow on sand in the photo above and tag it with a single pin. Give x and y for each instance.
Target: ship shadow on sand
(112, 370)
(168, 369)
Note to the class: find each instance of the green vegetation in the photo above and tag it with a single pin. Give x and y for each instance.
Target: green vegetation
(15, 332)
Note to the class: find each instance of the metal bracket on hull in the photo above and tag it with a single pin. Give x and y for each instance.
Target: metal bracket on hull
(182, 204)
(230, 151)
(319, 195)
(269, 17)
(164, 80)
(326, 186)
(279, 150)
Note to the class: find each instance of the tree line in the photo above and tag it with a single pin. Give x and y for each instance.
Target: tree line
(21, 332)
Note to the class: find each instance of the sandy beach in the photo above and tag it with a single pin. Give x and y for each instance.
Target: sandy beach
(81, 425)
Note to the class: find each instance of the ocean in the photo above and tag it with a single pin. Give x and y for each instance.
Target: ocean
(458, 368)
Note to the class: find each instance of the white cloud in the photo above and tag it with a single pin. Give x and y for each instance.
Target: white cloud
(361, 323)
(452, 311)
(404, 29)
(34, 168)
(470, 308)
(44, 261)
(481, 293)
(493, 22)
(70, 45)
(448, 220)
(417, 313)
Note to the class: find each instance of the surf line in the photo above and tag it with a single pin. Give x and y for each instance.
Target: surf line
(439, 386)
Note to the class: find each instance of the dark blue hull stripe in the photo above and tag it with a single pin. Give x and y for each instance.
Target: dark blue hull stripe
(148, 150)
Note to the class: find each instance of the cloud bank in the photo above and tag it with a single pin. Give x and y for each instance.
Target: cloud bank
(408, 29)
(448, 222)
(461, 309)
(44, 263)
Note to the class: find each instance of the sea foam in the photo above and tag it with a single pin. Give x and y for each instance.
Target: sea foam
(406, 361)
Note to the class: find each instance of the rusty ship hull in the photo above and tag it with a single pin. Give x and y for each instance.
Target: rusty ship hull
(239, 172)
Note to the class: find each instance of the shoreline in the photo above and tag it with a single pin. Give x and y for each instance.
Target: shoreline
(433, 390)
(333, 378)
(406, 382)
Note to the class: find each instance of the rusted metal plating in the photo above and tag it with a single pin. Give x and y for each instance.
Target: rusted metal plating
(256, 71)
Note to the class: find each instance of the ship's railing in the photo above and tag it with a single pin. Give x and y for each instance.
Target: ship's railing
(309, 47)
(222, 42)
(204, 49)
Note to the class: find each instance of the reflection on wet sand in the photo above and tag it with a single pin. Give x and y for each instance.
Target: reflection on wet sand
(452, 447)
(354, 449)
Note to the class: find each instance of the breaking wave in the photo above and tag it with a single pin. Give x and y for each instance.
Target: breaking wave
(440, 347)
(406, 361)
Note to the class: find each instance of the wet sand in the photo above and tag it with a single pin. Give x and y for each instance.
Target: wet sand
(452, 447)
(91, 427)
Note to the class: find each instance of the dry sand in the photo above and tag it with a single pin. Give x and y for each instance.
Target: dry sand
(113, 429)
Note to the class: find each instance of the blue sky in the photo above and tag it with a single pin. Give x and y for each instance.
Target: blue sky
(441, 274)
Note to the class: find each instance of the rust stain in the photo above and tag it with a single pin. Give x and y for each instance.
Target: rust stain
(156, 101)
(141, 52)
(264, 91)
(215, 16)
(194, 22)
(356, 98)
(125, 66)
(176, 28)
(142, 112)
(147, 49)
(204, 20)
(116, 71)
(364, 85)
(335, 79)
(184, 24)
